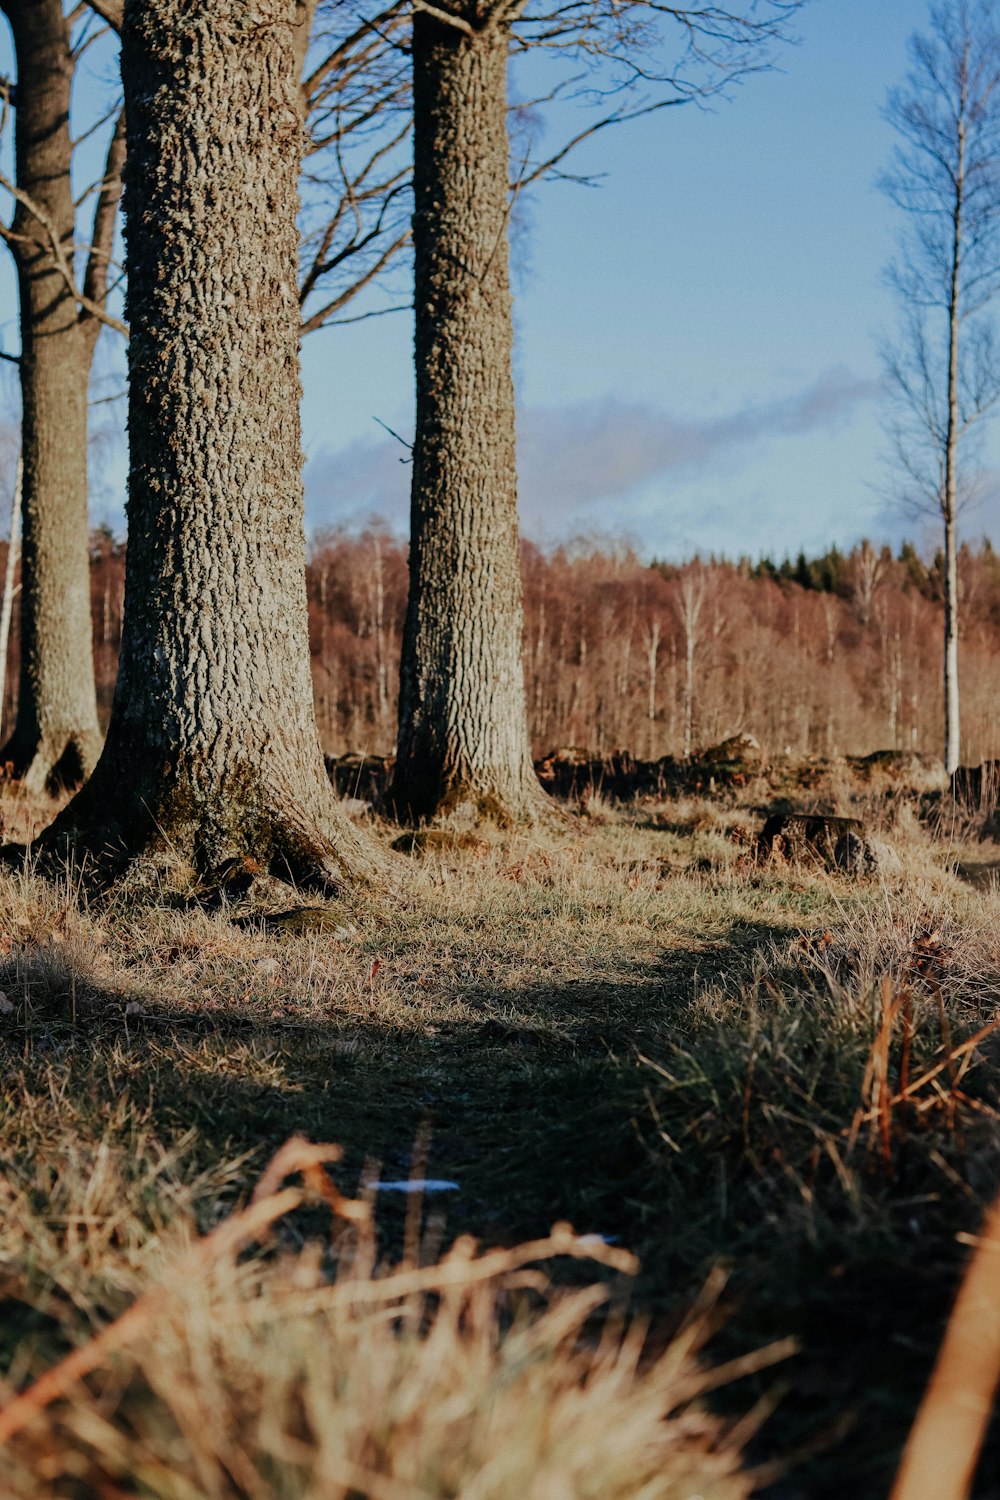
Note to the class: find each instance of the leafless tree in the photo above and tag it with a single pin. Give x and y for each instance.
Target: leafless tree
(463, 734)
(212, 751)
(62, 246)
(866, 572)
(688, 599)
(944, 368)
(353, 97)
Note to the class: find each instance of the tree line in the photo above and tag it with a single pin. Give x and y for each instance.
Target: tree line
(837, 654)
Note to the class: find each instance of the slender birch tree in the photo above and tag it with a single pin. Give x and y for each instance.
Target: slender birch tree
(944, 367)
(212, 749)
(463, 733)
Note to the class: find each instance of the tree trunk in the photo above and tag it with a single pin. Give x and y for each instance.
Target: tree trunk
(688, 693)
(56, 738)
(652, 652)
(9, 584)
(949, 500)
(213, 751)
(463, 733)
(951, 712)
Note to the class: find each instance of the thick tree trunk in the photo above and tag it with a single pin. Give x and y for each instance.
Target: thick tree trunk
(463, 736)
(56, 738)
(212, 749)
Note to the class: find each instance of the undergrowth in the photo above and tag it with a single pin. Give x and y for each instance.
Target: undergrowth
(764, 1073)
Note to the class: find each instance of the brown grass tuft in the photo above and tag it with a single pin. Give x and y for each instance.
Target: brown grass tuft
(231, 1377)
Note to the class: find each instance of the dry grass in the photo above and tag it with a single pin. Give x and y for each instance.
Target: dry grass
(941, 1455)
(467, 1374)
(628, 1024)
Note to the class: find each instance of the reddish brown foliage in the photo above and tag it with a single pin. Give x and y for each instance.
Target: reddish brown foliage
(849, 668)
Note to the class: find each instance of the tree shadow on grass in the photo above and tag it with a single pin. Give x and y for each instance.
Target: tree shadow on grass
(529, 1103)
(538, 1109)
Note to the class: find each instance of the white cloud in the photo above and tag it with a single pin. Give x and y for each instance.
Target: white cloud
(575, 461)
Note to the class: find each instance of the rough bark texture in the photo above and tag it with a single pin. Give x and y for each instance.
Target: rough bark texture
(463, 736)
(56, 736)
(212, 748)
(10, 574)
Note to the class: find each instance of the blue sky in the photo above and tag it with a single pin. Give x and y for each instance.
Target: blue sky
(696, 337)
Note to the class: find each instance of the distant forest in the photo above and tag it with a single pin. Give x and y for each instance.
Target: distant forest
(826, 655)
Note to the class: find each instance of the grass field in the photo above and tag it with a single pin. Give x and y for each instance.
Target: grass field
(775, 1084)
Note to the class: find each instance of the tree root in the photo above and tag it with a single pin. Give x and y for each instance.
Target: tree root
(52, 764)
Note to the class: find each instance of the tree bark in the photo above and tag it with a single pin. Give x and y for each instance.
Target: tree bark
(212, 750)
(949, 499)
(952, 730)
(463, 734)
(10, 573)
(56, 738)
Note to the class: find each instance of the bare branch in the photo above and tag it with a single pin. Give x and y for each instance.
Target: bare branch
(328, 312)
(445, 17)
(87, 38)
(375, 312)
(384, 425)
(95, 281)
(58, 253)
(92, 130)
(323, 263)
(108, 10)
(618, 118)
(386, 20)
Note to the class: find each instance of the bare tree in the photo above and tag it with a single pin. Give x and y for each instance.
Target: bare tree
(353, 230)
(944, 368)
(651, 646)
(463, 734)
(866, 572)
(689, 601)
(63, 276)
(212, 750)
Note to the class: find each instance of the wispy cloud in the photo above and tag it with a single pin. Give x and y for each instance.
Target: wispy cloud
(348, 485)
(574, 459)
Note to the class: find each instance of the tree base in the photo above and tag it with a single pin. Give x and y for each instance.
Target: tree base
(196, 837)
(463, 803)
(52, 764)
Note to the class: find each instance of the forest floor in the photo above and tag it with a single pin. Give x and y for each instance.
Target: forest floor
(630, 1024)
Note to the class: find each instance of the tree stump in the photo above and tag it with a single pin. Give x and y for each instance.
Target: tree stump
(835, 843)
